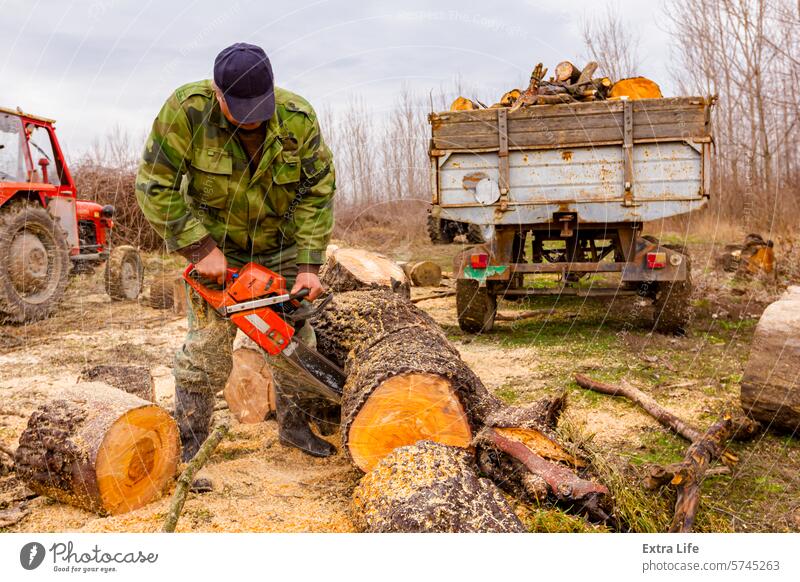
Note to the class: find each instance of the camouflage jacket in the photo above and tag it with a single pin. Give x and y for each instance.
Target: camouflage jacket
(194, 179)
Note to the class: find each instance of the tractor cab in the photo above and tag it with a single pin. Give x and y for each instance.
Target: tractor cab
(46, 232)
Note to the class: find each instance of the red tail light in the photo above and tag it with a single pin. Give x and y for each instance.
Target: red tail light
(656, 260)
(479, 261)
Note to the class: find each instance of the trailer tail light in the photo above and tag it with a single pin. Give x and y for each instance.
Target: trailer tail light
(656, 260)
(479, 261)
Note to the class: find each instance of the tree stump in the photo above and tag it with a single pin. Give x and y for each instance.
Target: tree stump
(250, 390)
(99, 448)
(351, 269)
(136, 380)
(770, 390)
(430, 487)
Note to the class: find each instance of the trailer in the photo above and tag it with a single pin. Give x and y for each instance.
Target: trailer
(565, 190)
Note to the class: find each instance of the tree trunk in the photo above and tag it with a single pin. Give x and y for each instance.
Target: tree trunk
(771, 382)
(351, 269)
(99, 448)
(136, 380)
(429, 487)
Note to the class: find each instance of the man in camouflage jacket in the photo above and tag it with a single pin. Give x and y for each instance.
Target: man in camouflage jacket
(234, 171)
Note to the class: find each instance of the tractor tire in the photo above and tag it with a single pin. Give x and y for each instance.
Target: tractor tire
(438, 231)
(476, 308)
(124, 274)
(34, 263)
(672, 304)
(474, 234)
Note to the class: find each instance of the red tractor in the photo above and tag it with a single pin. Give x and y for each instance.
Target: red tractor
(45, 231)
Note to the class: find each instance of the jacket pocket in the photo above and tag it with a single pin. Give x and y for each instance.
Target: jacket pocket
(286, 169)
(211, 176)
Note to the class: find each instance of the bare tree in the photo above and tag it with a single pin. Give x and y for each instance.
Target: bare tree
(610, 41)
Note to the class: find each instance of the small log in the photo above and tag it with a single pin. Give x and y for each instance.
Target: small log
(250, 390)
(770, 389)
(186, 478)
(429, 487)
(136, 380)
(567, 72)
(353, 269)
(98, 448)
(518, 315)
(423, 273)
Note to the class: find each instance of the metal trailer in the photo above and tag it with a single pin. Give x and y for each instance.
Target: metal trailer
(565, 189)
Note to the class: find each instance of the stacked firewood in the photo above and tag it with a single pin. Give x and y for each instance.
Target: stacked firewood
(569, 84)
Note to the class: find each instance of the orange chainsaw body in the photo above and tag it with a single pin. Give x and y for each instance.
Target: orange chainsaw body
(262, 325)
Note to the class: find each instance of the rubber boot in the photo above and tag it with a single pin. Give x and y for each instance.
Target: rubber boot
(293, 428)
(193, 412)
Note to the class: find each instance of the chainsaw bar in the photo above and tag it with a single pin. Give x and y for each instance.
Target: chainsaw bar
(317, 371)
(255, 304)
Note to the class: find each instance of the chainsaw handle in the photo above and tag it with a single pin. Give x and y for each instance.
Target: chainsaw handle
(300, 295)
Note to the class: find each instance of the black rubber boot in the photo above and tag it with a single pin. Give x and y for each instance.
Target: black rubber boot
(293, 428)
(193, 412)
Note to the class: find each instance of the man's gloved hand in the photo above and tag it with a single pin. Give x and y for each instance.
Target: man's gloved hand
(213, 266)
(308, 280)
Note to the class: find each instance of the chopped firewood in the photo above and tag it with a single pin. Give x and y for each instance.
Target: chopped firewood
(98, 448)
(566, 71)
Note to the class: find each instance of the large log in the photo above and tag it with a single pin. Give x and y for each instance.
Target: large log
(136, 380)
(98, 448)
(770, 389)
(429, 487)
(352, 269)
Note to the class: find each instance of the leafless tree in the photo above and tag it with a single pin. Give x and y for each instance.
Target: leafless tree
(610, 41)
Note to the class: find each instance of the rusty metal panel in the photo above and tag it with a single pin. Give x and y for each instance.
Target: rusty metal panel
(589, 180)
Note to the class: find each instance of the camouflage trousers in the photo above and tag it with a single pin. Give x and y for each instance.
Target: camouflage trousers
(204, 362)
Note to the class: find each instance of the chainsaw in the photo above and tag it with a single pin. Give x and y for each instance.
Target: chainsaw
(255, 299)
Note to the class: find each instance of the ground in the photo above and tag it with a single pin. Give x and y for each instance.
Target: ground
(263, 486)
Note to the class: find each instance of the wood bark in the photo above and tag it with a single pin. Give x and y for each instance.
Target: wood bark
(770, 390)
(430, 487)
(136, 380)
(350, 269)
(98, 448)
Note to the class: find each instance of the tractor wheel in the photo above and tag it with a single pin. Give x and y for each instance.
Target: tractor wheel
(672, 303)
(474, 234)
(438, 231)
(34, 263)
(124, 274)
(475, 307)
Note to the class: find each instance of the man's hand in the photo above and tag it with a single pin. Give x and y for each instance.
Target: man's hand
(213, 266)
(309, 281)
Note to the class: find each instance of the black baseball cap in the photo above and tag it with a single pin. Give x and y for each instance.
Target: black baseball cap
(244, 75)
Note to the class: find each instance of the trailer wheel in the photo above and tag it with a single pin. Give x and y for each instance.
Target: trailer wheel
(34, 263)
(438, 231)
(475, 307)
(124, 274)
(474, 234)
(672, 303)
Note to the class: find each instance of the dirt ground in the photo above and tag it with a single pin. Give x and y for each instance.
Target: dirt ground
(263, 486)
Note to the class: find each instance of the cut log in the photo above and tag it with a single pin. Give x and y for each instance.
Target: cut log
(162, 291)
(635, 88)
(567, 72)
(180, 300)
(429, 487)
(352, 269)
(405, 381)
(423, 273)
(770, 390)
(99, 448)
(463, 104)
(250, 390)
(136, 380)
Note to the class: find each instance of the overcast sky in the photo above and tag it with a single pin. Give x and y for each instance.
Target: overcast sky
(94, 64)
